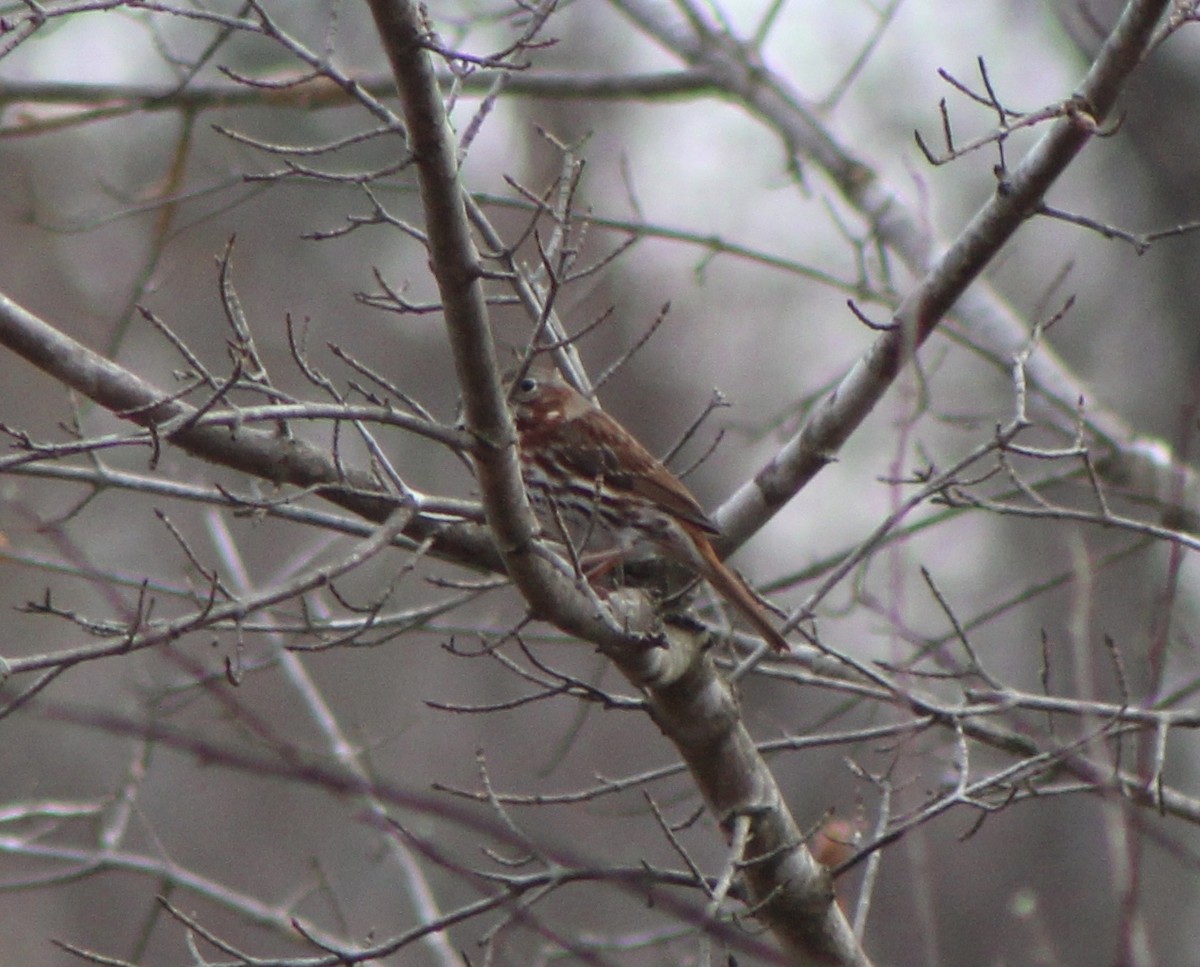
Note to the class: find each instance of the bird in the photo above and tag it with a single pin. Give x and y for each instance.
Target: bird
(583, 470)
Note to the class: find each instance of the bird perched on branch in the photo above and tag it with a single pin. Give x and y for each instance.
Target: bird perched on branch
(587, 473)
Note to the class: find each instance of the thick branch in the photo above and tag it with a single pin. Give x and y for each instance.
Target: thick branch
(261, 453)
(696, 710)
(946, 279)
(455, 264)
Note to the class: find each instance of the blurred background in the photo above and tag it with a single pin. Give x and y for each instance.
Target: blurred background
(105, 209)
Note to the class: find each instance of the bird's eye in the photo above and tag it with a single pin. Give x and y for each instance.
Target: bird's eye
(527, 385)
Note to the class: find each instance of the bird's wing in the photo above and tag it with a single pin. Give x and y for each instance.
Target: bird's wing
(636, 470)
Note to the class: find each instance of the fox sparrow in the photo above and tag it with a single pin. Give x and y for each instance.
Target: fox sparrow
(585, 471)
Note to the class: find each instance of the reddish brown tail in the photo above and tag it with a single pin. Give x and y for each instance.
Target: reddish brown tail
(734, 590)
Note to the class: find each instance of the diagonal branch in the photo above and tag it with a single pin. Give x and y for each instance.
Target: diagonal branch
(947, 280)
(261, 453)
(695, 707)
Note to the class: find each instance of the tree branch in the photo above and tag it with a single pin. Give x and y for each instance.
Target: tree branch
(261, 453)
(790, 891)
(945, 281)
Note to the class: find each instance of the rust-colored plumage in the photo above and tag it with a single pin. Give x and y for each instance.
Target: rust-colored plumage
(582, 469)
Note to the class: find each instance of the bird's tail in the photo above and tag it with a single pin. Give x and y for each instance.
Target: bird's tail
(727, 583)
